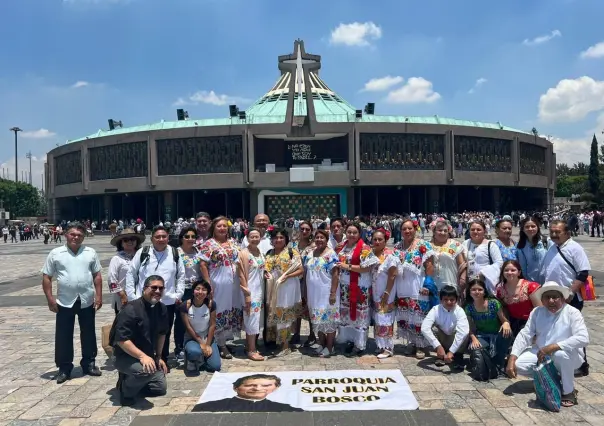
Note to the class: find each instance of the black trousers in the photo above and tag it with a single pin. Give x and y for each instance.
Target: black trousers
(166, 350)
(179, 326)
(64, 336)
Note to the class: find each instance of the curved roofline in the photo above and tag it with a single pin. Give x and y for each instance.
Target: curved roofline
(273, 119)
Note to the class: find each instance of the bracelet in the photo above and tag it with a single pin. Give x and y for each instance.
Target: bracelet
(387, 292)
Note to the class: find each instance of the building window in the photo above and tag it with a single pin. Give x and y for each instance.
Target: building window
(483, 154)
(124, 160)
(68, 168)
(532, 159)
(189, 156)
(408, 151)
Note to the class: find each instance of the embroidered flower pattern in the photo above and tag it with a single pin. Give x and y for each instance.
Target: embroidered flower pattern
(219, 255)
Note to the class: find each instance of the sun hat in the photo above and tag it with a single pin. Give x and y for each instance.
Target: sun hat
(552, 286)
(127, 233)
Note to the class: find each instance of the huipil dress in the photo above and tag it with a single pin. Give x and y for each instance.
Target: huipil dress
(222, 268)
(285, 301)
(355, 330)
(252, 322)
(325, 318)
(384, 317)
(412, 307)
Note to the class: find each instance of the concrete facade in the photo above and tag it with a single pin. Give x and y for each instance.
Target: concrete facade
(295, 127)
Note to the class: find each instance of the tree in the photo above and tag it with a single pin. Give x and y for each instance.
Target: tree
(562, 169)
(21, 199)
(593, 175)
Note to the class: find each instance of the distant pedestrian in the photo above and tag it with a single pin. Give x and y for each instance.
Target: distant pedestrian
(77, 270)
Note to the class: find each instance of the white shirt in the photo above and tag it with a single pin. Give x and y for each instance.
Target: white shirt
(74, 273)
(555, 268)
(566, 328)
(159, 263)
(5, 231)
(449, 322)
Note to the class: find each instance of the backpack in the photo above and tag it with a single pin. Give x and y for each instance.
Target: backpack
(482, 368)
(145, 258)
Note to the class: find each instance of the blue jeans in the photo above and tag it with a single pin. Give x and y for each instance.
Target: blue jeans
(194, 354)
(502, 345)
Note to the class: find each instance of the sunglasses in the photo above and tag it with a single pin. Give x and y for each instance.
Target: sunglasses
(129, 240)
(157, 288)
(189, 237)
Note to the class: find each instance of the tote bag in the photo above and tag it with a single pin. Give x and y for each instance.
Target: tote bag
(547, 385)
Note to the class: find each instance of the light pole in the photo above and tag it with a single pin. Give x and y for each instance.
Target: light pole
(28, 155)
(16, 130)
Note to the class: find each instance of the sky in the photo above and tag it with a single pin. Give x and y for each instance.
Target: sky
(70, 65)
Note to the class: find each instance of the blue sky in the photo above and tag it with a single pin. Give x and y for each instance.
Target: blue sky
(69, 65)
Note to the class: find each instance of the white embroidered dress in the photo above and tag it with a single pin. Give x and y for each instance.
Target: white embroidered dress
(324, 317)
(253, 321)
(384, 317)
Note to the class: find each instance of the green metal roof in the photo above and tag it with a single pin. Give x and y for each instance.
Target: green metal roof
(274, 113)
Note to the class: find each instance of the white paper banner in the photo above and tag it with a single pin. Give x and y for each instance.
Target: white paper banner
(307, 391)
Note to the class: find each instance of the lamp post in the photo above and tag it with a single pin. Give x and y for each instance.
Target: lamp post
(16, 130)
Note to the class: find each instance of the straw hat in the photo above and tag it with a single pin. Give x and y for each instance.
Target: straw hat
(552, 286)
(127, 233)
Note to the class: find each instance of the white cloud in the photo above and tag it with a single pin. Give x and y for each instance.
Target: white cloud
(594, 52)
(380, 84)
(79, 84)
(571, 150)
(356, 34)
(572, 100)
(37, 134)
(416, 90)
(7, 169)
(211, 98)
(542, 39)
(478, 83)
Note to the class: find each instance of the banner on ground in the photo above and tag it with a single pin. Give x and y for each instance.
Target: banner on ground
(307, 391)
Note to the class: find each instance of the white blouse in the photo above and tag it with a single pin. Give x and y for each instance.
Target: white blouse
(480, 264)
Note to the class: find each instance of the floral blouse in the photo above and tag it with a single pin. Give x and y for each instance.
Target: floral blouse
(414, 260)
(280, 262)
(217, 255)
(324, 263)
(507, 253)
(345, 256)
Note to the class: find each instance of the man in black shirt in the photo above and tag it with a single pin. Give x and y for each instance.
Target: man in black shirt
(251, 397)
(138, 335)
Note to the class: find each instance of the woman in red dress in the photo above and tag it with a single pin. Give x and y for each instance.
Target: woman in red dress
(517, 294)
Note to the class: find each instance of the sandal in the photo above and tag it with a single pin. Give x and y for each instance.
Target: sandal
(325, 353)
(569, 400)
(420, 354)
(386, 353)
(255, 356)
(440, 363)
(283, 353)
(225, 353)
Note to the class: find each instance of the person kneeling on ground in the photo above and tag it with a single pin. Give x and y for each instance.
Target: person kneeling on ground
(560, 333)
(452, 329)
(138, 335)
(199, 318)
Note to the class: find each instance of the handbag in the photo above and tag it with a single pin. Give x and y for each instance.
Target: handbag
(588, 290)
(106, 340)
(547, 385)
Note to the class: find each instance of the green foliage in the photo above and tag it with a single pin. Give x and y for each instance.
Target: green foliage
(568, 185)
(21, 199)
(594, 172)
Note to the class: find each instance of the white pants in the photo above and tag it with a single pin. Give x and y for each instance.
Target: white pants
(565, 362)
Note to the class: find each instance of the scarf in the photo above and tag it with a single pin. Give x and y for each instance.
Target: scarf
(355, 291)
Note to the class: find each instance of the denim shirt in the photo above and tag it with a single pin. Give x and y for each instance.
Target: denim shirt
(531, 259)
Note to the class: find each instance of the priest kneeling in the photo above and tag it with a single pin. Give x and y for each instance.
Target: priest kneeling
(560, 333)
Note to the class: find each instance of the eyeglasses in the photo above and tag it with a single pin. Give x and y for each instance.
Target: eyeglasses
(157, 288)
(189, 237)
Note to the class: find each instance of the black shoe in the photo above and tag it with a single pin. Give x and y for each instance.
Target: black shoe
(92, 370)
(585, 369)
(126, 402)
(62, 377)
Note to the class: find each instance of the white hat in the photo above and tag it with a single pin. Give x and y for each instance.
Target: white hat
(552, 286)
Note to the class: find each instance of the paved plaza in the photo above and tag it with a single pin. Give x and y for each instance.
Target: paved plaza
(29, 396)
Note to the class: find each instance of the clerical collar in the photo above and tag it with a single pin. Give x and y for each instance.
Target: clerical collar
(249, 400)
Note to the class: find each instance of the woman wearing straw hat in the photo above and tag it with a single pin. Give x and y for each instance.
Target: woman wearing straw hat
(559, 332)
(127, 243)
